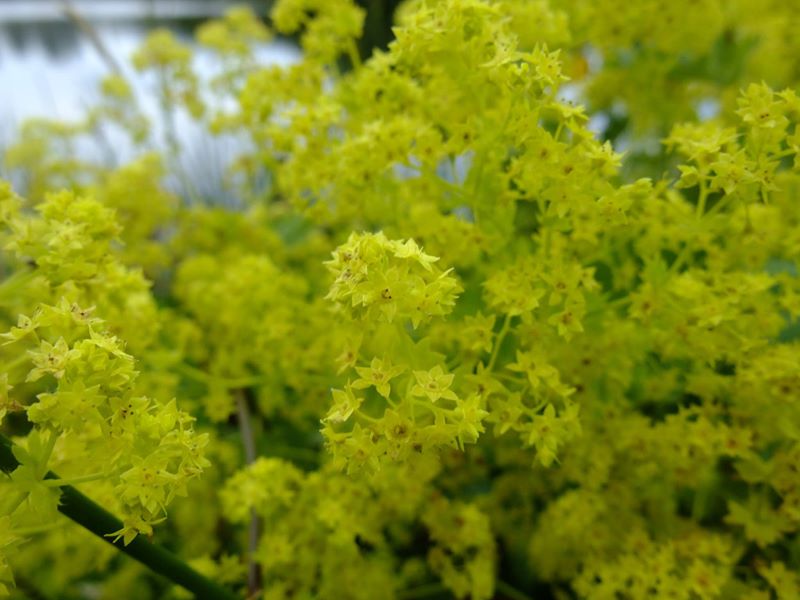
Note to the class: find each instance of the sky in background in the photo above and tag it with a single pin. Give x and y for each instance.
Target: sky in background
(49, 68)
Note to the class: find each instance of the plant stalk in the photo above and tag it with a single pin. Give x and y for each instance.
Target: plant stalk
(250, 455)
(100, 522)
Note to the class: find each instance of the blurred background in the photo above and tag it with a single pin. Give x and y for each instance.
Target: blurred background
(54, 54)
(635, 80)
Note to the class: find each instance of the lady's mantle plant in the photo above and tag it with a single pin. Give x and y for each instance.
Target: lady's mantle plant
(472, 348)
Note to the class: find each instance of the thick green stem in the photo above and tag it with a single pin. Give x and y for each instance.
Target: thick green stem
(89, 515)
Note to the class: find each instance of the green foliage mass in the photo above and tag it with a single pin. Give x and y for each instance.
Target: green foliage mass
(452, 341)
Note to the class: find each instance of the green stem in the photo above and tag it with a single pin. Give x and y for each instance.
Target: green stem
(254, 527)
(727, 199)
(611, 305)
(48, 451)
(701, 201)
(499, 342)
(682, 257)
(361, 415)
(559, 129)
(29, 531)
(353, 55)
(454, 363)
(783, 154)
(89, 515)
(74, 480)
(436, 410)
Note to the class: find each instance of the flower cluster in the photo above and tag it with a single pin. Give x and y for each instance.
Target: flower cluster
(448, 337)
(67, 371)
(382, 280)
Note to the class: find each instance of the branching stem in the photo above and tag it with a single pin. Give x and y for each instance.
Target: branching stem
(89, 515)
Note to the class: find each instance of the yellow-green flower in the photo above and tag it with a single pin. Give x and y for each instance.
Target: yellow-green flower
(377, 374)
(434, 384)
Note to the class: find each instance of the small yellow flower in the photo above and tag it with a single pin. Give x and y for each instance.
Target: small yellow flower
(434, 384)
(378, 374)
(345, 404)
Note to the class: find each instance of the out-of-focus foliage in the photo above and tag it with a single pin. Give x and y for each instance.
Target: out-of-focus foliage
(479, 345)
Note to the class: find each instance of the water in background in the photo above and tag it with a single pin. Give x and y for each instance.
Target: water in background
(49, 67)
